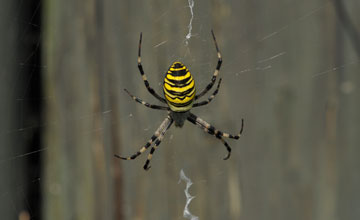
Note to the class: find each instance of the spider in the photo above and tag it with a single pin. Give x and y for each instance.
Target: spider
(180, 94)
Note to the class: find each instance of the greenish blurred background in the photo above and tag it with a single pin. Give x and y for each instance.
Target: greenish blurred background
(290, 69)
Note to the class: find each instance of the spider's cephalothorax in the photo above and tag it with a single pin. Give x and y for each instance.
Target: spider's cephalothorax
(179, 92)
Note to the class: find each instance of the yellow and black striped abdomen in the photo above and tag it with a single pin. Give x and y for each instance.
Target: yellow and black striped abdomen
(179, 88)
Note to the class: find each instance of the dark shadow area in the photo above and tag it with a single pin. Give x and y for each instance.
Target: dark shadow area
(348, 24)
(32, 100)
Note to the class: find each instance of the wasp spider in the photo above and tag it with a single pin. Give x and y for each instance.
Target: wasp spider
(179, 91)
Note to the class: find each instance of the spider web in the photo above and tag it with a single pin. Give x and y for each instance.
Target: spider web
(195, 48)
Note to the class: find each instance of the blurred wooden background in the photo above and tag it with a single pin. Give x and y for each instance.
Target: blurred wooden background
(290, 70)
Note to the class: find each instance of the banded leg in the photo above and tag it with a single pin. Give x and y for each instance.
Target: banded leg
(157, 143)
(142, 150)
(213, 131)
(160, 131)
(144, 78)
(210, 98)
(216, 73)
(145, 103)
(228, 148)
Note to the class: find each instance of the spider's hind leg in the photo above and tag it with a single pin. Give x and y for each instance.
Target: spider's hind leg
(143, 76)
(138, 100)
(216, 72)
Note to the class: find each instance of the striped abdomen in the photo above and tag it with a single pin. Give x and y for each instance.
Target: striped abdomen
(179, 88)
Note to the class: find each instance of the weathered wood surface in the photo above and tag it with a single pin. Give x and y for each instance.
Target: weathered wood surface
(289, 71)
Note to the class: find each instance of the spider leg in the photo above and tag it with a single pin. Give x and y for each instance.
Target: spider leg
(145, 103)
(159, 133)
(144, 78)
(142, 150)
(213, 131)
(157, 143)
(228, 148)
(216, 73)
(210, 98)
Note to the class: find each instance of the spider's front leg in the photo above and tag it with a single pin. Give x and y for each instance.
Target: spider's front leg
(157, 137)
(213, 131)
(157, 143)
